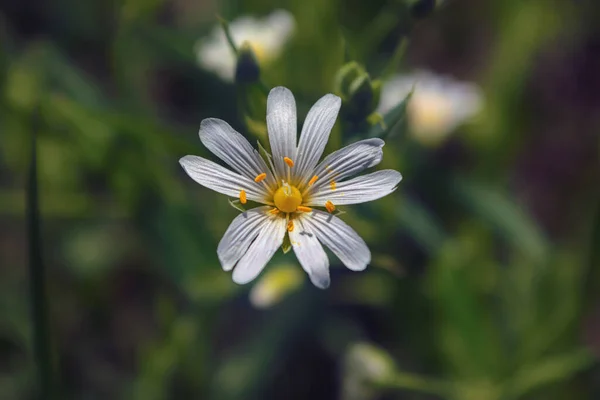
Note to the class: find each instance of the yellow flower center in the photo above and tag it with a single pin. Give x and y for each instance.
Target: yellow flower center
(259, 52)
(287, 198)
(430, 115)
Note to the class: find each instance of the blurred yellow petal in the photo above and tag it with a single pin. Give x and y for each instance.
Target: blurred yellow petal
(276, 284)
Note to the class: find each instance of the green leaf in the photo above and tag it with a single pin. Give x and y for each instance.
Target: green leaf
(466, 331)
(421, 225)
(506, 217)
(551, 370)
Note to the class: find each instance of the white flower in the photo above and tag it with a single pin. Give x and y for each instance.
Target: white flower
(364, 365)
(437, 106)
(290, 187)
(266, 37)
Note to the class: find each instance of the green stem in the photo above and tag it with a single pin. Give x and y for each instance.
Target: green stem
(225, 25)
(416, 383)
(37, 278)
(377, 29)
(392, 66)
(264, 87)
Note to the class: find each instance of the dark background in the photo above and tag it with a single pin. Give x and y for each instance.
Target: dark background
(485, 277)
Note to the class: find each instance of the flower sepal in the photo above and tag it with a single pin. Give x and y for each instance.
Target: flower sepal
(287, 244)
(237, 204)
(338, 211)
(265, 154)
(376, 119)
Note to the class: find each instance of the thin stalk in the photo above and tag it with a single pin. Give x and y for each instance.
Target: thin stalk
(392, 66)
(37, 278)
(225, 25)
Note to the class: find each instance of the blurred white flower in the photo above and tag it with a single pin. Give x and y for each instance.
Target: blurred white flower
(290, 187)
(275, 285)
(364, 365)
(438, 104)
(266, 36)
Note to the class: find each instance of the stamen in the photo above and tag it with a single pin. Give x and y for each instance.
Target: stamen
(288, 161)
(332, 184)
(312, 180)
(260, 177)
(290, 225)
(329, 206)
(274, 211)
(243, 197)
(303, 209)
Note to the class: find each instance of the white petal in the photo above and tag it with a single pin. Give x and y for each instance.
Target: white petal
(281, 124)
(241, 233)
(358, 190)
(222, 180)
(348, 161)
(261, 250)
(315, 134)
(340, 238)
(233, 148)
(310, 253)
(394, 91)
(279, 27)
(213, 54)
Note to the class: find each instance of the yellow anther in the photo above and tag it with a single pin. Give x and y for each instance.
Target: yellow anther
(274, 211)
(260, 177)
(290, 225)
(243, 197)
(329, 206)
(303, 209)
(312, 180)
(288, 161)
(332, 184)
(287, 198)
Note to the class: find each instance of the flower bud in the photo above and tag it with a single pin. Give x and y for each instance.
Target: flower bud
(247, 69)
(421, 8)
(359, 93)
(345, 76)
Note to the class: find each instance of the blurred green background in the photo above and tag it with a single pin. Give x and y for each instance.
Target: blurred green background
(485, 280)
